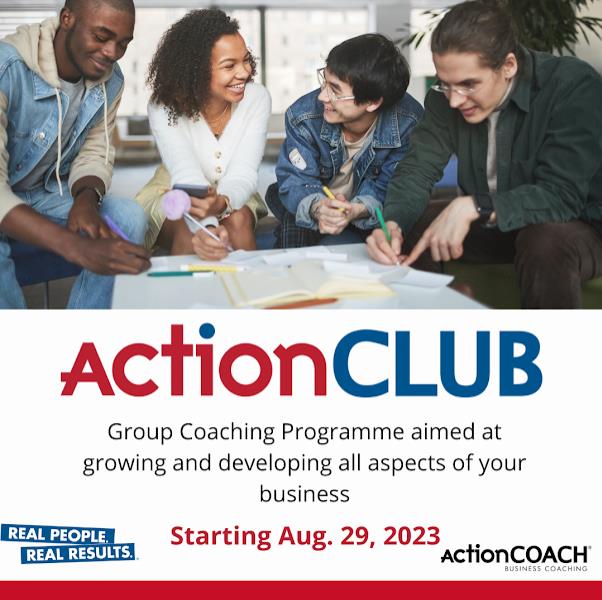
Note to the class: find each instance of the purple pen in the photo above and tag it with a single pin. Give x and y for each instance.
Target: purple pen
(115, 228)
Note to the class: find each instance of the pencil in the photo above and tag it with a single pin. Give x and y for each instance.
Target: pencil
(303, 303)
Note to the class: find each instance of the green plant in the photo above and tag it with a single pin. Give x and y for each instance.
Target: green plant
(547, 25)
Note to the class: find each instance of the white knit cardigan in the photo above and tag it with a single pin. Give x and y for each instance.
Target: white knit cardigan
(193, 155)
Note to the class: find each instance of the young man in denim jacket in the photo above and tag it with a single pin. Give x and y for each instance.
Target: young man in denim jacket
(59, 91)
(349, 136)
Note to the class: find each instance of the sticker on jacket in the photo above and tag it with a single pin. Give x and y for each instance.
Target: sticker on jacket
(297, 160)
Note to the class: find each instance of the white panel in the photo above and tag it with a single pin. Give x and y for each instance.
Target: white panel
(11, 19)
(251, 3)
(33, 6)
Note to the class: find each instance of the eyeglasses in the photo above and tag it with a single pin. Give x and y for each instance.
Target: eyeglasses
(324, 84)
(461, 90)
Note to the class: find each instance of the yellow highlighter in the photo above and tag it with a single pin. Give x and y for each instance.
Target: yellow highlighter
(331, 196)
(210, 268)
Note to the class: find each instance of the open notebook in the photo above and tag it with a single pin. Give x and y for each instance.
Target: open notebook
(302, 281)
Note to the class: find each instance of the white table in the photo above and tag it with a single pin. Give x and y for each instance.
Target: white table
(142, 291)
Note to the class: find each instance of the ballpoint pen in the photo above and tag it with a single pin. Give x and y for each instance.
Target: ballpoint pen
(199, 225)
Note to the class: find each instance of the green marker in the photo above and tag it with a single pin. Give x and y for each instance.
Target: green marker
(171, 274)
(383, 226)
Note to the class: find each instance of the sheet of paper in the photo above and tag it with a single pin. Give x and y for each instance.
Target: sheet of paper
(408, 276)
(365, 269)
(391, 274)
(324, 253)
(349, 269)
(424, 279)
(159, 263)
(243, 257)
(282, 259)
(293, 256)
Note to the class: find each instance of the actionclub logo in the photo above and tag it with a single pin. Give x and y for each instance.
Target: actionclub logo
(522, 558)
(200, 366)
(60, 544)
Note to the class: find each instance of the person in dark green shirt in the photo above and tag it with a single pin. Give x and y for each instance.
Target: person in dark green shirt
(526, 127)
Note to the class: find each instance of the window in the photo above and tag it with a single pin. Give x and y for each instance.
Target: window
(297, 42)
(250, 30)
(291, 69)
(151, 23)
(421, 60)
(11, 19)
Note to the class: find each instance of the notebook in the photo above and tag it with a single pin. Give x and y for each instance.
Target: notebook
(301, 281)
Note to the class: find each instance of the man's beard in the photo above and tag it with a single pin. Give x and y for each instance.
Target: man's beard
(70, 53)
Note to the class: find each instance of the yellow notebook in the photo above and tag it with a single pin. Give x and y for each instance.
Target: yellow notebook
(302, 281)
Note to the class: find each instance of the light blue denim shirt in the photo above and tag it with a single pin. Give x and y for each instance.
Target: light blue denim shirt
(32, 117)
(314, 151)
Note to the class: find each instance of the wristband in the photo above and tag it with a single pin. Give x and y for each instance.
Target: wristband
(227, 211)
(99, 194)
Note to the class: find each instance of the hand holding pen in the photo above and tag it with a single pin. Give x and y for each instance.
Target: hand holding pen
(384, 244)
(333, 213)
(115, 228)
(211, 243)
(338, 203)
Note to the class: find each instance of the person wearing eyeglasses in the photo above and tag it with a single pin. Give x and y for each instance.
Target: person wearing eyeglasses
(348, 135)
(526, 127)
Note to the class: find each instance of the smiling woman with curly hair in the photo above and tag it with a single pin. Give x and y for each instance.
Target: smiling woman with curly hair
(210, 124)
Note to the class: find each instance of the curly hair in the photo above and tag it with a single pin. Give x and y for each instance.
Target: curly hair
(179, 74)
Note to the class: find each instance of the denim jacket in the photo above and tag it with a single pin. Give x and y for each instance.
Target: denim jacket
(314, 152)
(29, 117)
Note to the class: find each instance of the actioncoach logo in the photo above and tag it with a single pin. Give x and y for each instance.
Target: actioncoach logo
(527, 558)
(200, 365)
(59, 544)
